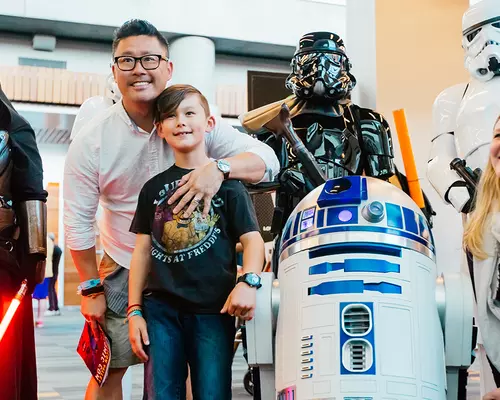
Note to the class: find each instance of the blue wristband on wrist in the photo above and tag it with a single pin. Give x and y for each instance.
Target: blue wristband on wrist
(134, 313)
(91, 283)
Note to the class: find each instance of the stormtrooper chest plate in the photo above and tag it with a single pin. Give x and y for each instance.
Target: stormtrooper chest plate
(476, 117)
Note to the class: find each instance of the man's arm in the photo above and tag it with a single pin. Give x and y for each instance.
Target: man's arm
(81, 198)
(250, 160)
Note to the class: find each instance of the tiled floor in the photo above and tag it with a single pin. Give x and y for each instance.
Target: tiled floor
(62, 374)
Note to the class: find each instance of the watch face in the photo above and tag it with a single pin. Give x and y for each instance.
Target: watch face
(253, 279)
(223, 166)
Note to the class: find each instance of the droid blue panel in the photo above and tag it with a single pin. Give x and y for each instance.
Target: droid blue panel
(321, 219)
(296, 224)
(355, 265)
(287, 230)
(394, 216)
(347, 190)
(410, 220)
(354, 247)
(307, 219)
(358, 327)
(341, 216)
(352, 286)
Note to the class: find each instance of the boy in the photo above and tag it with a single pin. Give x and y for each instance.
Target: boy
(189, 263)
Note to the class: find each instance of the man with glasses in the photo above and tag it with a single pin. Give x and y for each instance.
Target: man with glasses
(109, 161)
(148, 62)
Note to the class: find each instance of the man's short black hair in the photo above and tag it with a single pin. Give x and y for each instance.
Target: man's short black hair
(137, 27)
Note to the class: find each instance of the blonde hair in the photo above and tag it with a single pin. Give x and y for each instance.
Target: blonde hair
(487, 197)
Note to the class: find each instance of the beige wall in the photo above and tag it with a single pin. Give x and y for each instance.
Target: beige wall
(418, 54)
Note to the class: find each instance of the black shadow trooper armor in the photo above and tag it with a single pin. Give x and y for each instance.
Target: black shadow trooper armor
(344, 139)
(22, 248)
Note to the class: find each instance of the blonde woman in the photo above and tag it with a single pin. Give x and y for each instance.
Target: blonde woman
(482, 239)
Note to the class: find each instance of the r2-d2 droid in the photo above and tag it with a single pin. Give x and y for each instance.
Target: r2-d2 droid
(360, 314)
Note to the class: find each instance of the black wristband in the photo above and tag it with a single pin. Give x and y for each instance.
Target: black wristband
(93, 290)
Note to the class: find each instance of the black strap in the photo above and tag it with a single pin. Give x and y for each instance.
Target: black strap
(356, 123)
(93, 290)
(465, 91)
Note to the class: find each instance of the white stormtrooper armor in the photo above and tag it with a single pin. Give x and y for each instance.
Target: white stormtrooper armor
(464, 115)
(95, 105)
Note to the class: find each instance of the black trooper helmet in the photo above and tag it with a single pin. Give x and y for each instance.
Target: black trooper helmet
(5, 125)
(320, 68)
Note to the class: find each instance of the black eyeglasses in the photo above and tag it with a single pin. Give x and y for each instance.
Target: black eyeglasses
(148, 62)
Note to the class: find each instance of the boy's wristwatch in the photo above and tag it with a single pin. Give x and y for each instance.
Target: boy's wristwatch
(224, 167)
(251, 279)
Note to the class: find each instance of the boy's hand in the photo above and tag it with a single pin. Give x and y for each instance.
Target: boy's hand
(138, 334)
(495, 395)
(201, 184)
(241, 302)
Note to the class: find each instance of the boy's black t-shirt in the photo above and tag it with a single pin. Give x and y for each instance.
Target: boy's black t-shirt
(193, 261)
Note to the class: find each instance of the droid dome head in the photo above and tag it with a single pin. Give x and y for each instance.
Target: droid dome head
(320, 68)
(481, 39)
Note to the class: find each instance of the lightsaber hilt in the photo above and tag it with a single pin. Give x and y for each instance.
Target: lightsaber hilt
(22, 290)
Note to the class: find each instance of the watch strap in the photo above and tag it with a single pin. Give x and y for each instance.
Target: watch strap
(243, 277)
(226, 173)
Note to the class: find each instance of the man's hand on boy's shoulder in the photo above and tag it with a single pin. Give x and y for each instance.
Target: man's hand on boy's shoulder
(199, 185)
(241, 302)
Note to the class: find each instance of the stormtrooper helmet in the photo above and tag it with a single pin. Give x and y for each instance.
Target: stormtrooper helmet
(320, 68)
(114, 93)
(481, 39)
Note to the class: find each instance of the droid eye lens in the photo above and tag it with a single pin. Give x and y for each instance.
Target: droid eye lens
(345, 216)
(373, 212)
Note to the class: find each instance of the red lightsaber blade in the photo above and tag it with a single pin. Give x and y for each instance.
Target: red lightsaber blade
(14, 304)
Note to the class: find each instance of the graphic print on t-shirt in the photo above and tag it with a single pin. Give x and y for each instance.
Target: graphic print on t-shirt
(176, 238)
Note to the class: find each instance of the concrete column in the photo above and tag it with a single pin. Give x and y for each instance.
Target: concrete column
(194, 64)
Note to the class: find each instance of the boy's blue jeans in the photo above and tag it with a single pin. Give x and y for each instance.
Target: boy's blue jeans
(205, 341)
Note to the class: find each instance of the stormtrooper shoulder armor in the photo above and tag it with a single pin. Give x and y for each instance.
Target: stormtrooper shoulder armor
(446, 107)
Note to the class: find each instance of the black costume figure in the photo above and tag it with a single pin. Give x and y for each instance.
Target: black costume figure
(22, 248)
(344, 139)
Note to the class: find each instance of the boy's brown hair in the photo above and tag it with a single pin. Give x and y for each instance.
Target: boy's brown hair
(168, 101)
